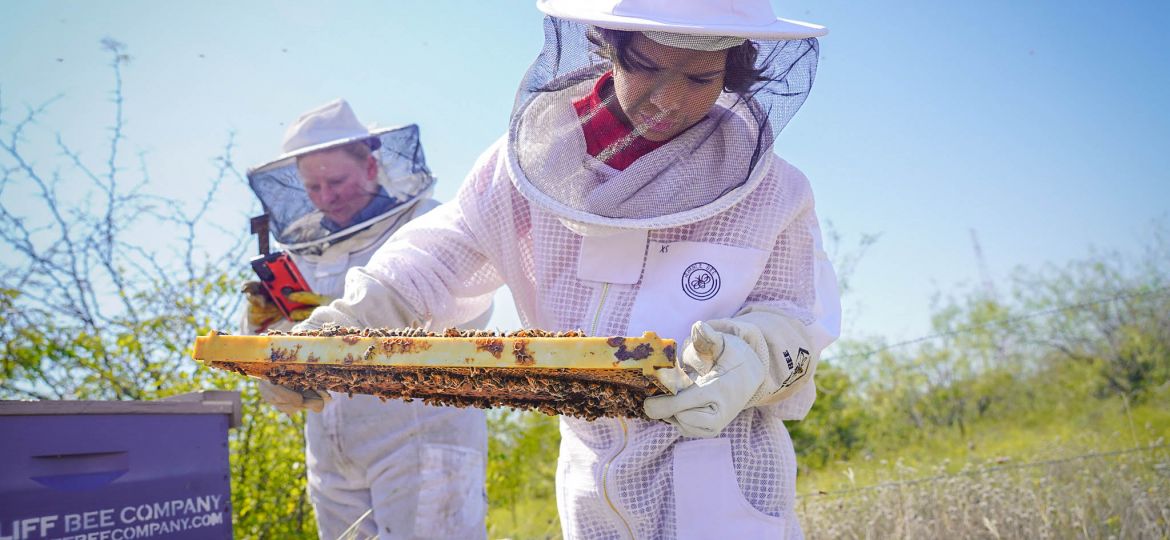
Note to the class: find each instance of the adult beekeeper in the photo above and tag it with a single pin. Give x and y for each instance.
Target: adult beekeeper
(637, 189)
(337, 192)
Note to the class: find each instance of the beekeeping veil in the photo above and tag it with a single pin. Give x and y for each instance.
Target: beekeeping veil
(403, 178)
(698, 173)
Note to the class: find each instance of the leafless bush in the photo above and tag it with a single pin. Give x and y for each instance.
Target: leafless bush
(102, 283)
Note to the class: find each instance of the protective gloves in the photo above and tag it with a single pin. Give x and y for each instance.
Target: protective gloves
(289, 401)
(262, 311)
(311, 300)
(730, 374)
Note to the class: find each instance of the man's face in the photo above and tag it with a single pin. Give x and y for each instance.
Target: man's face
(667, 89)
(338, 184)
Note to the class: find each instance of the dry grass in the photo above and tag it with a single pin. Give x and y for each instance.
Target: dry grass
(1124, 495)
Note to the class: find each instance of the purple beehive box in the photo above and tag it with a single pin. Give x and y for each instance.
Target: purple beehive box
(117, 470)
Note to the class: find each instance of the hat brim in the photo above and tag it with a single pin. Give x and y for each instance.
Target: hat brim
(372, 136)
(781, 29)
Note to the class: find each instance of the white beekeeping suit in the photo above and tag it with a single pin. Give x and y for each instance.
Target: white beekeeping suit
(418, 469)
(630, 195)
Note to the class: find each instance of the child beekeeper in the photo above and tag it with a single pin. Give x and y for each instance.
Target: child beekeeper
(637, 189)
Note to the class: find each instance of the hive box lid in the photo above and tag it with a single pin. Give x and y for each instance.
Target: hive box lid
(204, 402)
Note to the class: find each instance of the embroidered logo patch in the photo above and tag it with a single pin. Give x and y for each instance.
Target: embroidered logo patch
(700, 281)
(798, 369)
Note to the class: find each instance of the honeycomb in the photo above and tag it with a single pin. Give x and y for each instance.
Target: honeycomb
(556, 373)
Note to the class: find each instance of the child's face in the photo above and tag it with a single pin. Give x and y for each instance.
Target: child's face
(667, 89)
(338, 184)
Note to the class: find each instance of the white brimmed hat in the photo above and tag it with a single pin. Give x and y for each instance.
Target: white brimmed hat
(331, 124)
(750, 19)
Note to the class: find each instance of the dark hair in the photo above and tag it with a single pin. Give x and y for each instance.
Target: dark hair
(738, 77)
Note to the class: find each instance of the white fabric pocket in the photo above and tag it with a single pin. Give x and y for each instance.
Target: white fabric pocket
(451, 499)
(708, 501)
(686, 282)
(614, 258)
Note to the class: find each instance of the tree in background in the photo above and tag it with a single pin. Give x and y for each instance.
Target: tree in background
(96, 304)
(1109, 314)
(1089, 329)
(522, 463)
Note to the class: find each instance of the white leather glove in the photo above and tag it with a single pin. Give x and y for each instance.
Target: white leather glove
(289, 401)
(730, 374)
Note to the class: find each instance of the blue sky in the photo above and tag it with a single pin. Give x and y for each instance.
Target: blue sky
(1042, 126)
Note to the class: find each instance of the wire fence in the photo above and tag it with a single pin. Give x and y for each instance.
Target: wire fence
(983, 471)
(1003, 321)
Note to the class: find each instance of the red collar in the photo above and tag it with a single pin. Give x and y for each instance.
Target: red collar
(605, 128)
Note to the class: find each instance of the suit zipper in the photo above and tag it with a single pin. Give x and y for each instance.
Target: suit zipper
(600, 307)
(605, 479)
(622, 421)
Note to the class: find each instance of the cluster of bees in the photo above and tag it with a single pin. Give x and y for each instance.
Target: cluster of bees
(330, 330)
(588, 394)
(550, 391)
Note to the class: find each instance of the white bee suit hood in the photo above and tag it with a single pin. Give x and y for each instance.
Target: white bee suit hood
(655, 192)
(711, 166)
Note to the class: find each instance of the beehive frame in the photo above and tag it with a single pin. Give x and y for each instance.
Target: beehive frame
(555, 373)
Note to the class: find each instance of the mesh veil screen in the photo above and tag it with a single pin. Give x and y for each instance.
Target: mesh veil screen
(695, 141)
(403, 177)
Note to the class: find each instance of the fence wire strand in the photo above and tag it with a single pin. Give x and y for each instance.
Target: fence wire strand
(1006, 320)
(986, 470)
